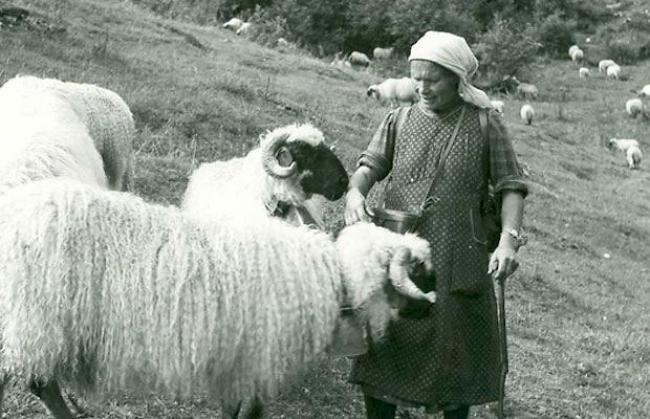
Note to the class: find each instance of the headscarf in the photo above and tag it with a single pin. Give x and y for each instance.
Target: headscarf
(452, 52)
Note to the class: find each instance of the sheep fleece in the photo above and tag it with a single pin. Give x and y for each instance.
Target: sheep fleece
(110, 293)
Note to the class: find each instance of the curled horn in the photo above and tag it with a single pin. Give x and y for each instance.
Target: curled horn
(270, 161)
(398, 274)
(371, 90)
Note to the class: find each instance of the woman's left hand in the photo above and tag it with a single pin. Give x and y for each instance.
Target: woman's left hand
(503, 261)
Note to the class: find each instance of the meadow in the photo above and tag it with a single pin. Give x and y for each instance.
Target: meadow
(577, 309)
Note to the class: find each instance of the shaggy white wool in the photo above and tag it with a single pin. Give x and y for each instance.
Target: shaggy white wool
(112, 294)
(36, 127)
(104, 114)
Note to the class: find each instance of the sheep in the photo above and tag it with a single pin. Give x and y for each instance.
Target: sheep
(108, 293)
(394, 91)
(604, 64)
(358, 59)
(583, 72)
(54, 118)
(527, 112)
(633, 156)
(382, 53)
(244, 29)
(634, 107)
(572, 49)
(622, 144)
(498, 105)
(613, 71)
(340, 61)
(645, 91)
(50, 128)
(234, 24)
(527, 91)
(291, 165)
(577, 55)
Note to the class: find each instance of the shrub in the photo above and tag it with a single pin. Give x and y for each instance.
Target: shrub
(629, 47)
(504, 50)
(556, 35)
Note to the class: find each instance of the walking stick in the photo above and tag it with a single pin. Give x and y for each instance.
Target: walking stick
(503, 344)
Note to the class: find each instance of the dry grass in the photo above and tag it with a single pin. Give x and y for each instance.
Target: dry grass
(578, 321)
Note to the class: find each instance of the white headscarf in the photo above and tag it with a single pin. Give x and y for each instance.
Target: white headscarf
(453, 53)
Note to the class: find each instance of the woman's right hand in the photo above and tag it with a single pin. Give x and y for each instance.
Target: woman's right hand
(355, 207)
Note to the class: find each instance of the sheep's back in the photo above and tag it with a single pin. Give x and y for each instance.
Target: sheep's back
(149, 299)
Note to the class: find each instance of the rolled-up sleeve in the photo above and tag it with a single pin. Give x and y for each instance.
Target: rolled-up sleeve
(378, 156)
(505, 172)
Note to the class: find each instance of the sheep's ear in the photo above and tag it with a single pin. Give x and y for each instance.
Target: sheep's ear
(284, 157)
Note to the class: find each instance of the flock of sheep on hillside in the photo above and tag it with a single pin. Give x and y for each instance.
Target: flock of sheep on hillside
(228, 296)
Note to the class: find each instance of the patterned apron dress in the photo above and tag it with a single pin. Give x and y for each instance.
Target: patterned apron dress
(450, 356)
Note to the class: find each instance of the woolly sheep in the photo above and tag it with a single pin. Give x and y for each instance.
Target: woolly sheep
(572, 49)
(359, 59)
(645, 91)
(633, 156)
(394, 91)
(604, 64)
(234, 24)
(498, 105)
(527, 91)
(613, 71)
(382, 53)
(291, 165)
(527, 112)
(634, 107)
(110, 294)
(621, 144)
(583, 72)
(48, 127)
(244, 29)
(577, 55)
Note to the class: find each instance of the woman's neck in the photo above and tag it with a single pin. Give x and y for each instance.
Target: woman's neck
(447, 109)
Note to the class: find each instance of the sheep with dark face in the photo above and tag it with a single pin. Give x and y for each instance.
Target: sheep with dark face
(292, 164)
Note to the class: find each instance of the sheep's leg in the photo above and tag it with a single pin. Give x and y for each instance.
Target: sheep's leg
(50, 395)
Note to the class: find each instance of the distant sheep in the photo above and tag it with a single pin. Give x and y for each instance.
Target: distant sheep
(572, 49)
(340, 61)
(498, 105)
(111, 294)
(634, 107)
(604, 64)
(645, 91)
(583, 72)
(358, 59)
(621, 144)
(577, 55)
(394, 91)
(292, 164)
(234, 24)
(527, 91)
(527, 113)
(633, 156)
(244, 29)
(382, 53)
(614, 71)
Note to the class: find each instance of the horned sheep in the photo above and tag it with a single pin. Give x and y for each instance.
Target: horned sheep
(394, 91)
(292, 164)
(108, 293)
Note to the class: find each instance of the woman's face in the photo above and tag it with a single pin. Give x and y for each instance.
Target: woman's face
(437, 86)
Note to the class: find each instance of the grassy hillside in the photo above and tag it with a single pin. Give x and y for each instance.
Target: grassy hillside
(578, 321)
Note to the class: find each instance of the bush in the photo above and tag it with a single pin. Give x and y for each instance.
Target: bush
(629, 47)
(266, 30)
(556, 35)
(504, 50)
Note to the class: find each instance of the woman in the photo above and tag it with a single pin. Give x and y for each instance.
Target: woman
(447, 358)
